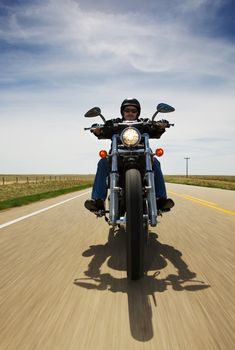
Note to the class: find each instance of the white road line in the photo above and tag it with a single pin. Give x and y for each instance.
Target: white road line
(41, 210)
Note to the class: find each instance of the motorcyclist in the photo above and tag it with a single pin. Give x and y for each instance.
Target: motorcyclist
(130, 110)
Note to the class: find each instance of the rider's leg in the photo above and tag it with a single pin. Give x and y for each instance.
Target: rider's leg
(163, 203)
(159, 182)
(100, 188)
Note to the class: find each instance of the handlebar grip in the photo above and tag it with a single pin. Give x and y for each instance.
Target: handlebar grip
(94, 127)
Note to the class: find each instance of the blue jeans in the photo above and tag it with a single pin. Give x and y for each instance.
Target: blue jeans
(100, 187)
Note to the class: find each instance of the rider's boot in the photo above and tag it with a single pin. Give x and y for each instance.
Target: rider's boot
(165, 204)
(94, 205)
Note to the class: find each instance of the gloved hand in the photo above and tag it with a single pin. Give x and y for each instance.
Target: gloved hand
(97, 130)
(162, 124)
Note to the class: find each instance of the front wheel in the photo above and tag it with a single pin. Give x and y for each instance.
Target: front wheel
(134, 224)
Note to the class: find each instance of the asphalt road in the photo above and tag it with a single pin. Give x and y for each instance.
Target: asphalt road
(63, 283)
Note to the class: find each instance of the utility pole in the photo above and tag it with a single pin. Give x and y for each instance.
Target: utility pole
(187, 159)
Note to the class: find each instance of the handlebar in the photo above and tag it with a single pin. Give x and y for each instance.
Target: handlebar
(94, 127)
(149, 122)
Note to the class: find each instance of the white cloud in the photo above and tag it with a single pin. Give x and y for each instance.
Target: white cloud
(74, 38)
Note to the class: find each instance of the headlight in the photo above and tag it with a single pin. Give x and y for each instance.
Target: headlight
(130, 137)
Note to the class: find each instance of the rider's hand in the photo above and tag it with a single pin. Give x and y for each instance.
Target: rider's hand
(162, 124)
(97, 131)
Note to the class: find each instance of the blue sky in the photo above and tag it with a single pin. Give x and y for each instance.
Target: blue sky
(61, 57)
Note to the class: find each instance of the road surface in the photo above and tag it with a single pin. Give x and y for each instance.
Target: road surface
(64, 285)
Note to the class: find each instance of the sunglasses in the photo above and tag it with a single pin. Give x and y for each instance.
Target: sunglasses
(130, 110)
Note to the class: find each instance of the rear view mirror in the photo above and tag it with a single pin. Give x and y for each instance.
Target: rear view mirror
(164, 108)
(93, 112)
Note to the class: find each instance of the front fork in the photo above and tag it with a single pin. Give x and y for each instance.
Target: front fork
(150, 185)
(114, 181)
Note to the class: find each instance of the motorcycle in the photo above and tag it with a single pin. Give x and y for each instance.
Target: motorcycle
(132, 198)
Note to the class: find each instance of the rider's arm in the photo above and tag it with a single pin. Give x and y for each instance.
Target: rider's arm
(107, 130)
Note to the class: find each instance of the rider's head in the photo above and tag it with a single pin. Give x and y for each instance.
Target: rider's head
(130, 109)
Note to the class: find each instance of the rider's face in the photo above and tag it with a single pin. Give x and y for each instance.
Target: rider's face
(130, 113)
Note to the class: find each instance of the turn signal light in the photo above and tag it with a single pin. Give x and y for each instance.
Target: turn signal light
(159, 152)
(103, 153)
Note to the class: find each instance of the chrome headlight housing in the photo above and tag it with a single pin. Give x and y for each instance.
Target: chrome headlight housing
(130, 137)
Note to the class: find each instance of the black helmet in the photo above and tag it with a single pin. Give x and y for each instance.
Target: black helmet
(130, 102)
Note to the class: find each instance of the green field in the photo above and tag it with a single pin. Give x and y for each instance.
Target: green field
(223, 182)
(17, 190)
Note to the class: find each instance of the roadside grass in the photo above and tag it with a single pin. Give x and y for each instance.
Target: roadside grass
(16, 202)
(223, 182)
(17, 194)
(7, 179)
(15, 190)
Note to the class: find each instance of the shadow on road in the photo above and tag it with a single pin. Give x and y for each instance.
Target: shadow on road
(139, 292)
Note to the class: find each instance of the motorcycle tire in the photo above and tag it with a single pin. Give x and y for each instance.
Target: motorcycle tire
(134, 224)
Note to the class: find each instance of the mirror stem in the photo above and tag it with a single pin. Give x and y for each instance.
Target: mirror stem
(154, 115)
(101, 116)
